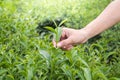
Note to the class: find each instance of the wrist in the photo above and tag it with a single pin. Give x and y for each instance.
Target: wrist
(85, 35)
(86, 32)
(94, 28)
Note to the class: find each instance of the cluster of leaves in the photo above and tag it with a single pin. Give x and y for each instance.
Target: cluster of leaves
(24, 55)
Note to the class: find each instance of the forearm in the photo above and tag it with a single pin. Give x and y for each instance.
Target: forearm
(109, 17)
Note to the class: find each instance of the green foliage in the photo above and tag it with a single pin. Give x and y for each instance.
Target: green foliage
(26, 56)
(57, 32)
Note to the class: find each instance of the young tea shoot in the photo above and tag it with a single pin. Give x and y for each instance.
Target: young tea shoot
(57, 32)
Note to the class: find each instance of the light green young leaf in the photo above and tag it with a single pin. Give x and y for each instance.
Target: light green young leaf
(87, 73)
(107, 55)
(2, 71)
(66, 70)
(85, 63)
(55, 24)
(50, 28)
(99, 74)
(45, 54)
(62, 22)
(30, 73)
(9, 77)
(58, 34)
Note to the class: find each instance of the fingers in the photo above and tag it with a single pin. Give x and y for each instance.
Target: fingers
(54, 43)
(68, 47)
(63, 36)
(65, 42)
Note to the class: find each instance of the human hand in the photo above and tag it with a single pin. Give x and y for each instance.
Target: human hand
(70, 38)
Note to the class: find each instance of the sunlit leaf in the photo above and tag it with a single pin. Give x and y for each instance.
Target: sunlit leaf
(62, 22)
(50, 28)
(87, 73)
(30, 73)
(55, 24)
(85, 63)
(59, 33)
(9, 77)
(45, 54)
(2, 71)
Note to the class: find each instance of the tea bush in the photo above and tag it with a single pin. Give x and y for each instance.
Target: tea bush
(26, 55)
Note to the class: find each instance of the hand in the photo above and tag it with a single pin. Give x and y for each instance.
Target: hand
(71, 37)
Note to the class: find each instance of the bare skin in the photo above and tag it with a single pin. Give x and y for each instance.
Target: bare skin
(109, 17)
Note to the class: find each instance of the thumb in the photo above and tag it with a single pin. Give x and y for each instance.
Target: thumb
(65, 42)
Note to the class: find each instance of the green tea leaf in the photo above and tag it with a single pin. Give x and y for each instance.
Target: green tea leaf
(50, 28)
(55, 24)
(2, 71)
(62, 22)
(87, 73)
(9, 77)
(100, 74)
(58, 34)
(30, 73)
(85, 63)
(45, 54)
(114, 78)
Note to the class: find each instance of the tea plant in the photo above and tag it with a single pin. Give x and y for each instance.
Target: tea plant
(57, 32)
(24, 55)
